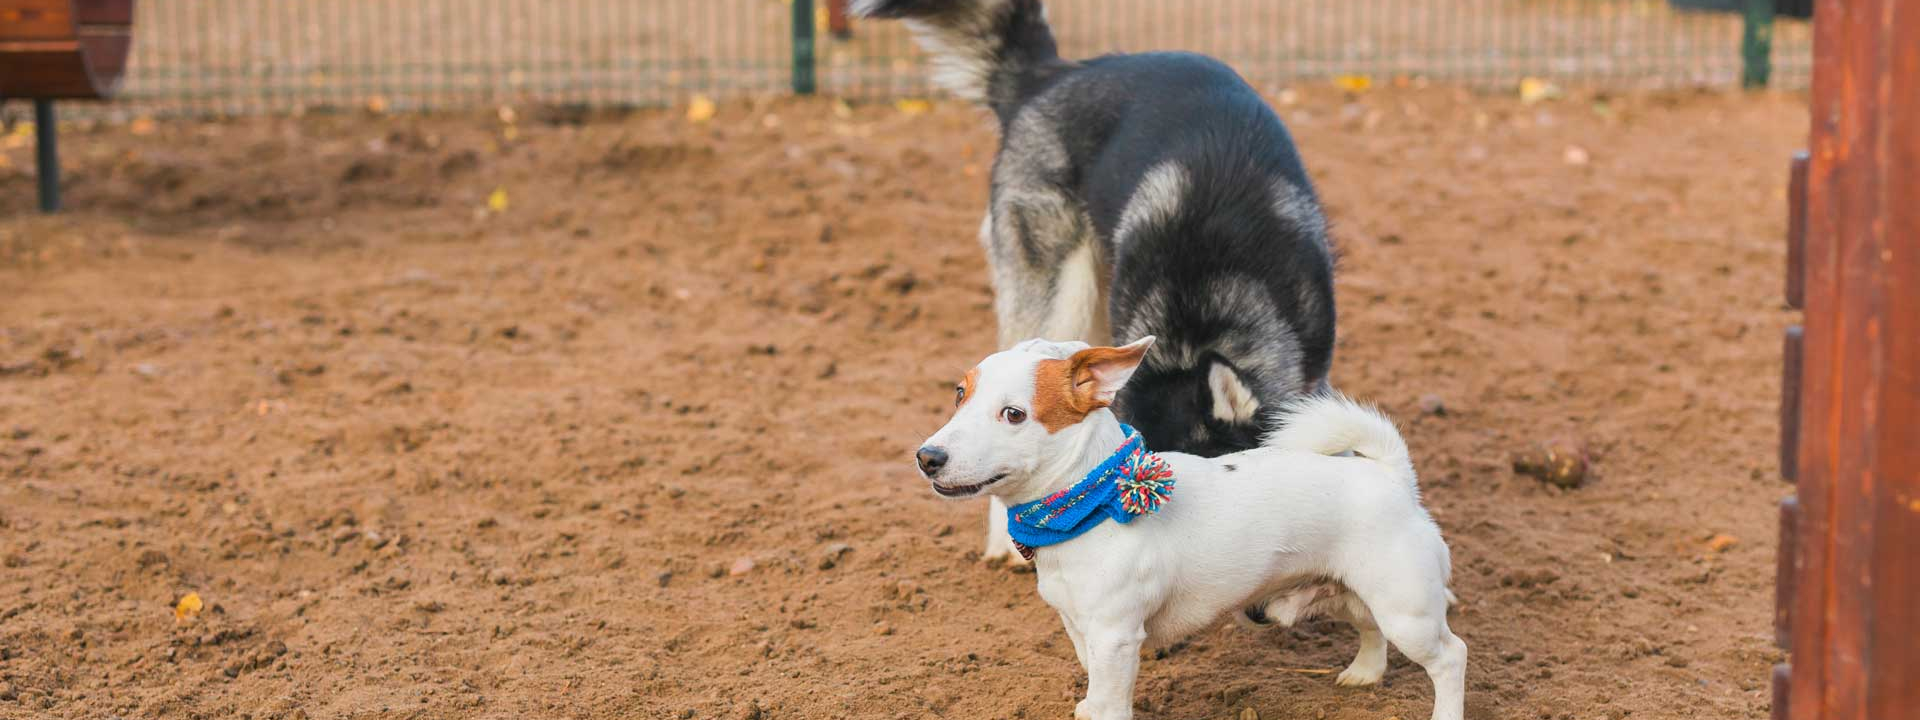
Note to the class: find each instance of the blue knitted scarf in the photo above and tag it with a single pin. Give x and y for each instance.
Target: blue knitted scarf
(1129, 483)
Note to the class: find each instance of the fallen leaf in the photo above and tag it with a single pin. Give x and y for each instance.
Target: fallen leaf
(1533, 90)
(700, 109)
(142, 126)
(497, 200)
(841, 109)
(188, 606)
(1722, 542)
(912, 106)
(1353, 83)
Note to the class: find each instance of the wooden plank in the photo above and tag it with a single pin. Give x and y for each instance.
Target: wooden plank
(837, 21)
(1853, 606)
(1791, 353)
(1797, 231)
(1782, 683)
(104, 12)
(1784, 574)
(45, 74)
(1893, 573)
(37, 20)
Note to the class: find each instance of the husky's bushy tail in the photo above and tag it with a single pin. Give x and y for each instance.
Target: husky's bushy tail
(991, 52)
(1329, 423)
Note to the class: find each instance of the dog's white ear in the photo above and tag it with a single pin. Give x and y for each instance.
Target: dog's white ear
(1049, 348)
(1232, 401)
(1100, 372)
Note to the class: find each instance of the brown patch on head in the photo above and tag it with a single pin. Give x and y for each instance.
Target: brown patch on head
(967, 383)
(1064, 391)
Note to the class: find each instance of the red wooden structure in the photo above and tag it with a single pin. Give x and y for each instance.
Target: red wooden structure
(61, 49)
(1849, 603)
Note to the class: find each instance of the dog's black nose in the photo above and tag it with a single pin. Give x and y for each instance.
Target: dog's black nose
(931, 460)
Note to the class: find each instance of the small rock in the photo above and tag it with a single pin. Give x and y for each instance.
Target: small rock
(1431, 404)
(832, 555)
(1560, 463)
(1677, 661)
(1513, 657)
(429, 606)
(663, 578)
(497, 576)
(345, 535)
(1722, 542)
(7, 693)
(147, 370)
(882, 629)
(741, 567)
(942, 530)
(1249, 714)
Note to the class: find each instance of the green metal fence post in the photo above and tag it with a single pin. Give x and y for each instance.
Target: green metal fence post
(803, 80)
(1756, 44)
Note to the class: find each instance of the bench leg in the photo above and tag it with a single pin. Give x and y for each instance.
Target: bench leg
(47, 155)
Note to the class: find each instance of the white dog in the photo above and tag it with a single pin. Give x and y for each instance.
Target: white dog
(1275, 534)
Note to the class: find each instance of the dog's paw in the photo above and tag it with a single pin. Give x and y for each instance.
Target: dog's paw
(1356, 676)
(1080, 712)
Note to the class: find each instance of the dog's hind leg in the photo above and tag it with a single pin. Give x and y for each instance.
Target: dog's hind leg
(1370, 663)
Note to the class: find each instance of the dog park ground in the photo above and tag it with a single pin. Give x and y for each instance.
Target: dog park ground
(540, 414)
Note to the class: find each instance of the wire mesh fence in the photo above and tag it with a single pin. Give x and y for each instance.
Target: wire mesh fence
(251, 56)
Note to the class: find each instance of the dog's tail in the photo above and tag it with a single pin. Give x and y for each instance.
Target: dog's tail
(987, 51)
(1330, 423)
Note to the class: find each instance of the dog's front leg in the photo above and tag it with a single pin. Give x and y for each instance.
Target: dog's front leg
(1112, 658)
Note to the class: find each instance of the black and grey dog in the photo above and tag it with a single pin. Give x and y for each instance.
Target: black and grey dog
(1133, 195)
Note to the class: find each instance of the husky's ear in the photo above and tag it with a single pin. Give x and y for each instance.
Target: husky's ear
(1232, 401)
(1099, 372)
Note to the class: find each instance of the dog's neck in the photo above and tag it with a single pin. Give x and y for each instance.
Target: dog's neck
(1091, 441)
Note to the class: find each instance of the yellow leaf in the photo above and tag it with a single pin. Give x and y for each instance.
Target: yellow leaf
(497, 201)
(701, 109)
(1533, 90)
(1353, 83)
(912, 106)
(188, 606)
(841, 109)
(509, 132)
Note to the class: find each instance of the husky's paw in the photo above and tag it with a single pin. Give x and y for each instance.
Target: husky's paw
(1080, 712)
(1355, 675)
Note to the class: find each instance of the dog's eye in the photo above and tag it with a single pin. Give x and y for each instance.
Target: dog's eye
(959, 395)
(1013, 415)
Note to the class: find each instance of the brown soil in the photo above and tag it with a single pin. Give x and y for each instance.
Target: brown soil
(423, 459)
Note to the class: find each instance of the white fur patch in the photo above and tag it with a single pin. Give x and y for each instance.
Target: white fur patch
(1079, 310)
(1232, 401)
(1295, 205)
(1155, 200)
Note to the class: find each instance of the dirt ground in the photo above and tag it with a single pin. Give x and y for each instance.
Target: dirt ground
(632, 439)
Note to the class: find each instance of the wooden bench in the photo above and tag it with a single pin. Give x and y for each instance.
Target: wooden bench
(61, 49)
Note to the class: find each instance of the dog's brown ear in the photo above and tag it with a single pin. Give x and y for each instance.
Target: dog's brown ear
(1064, 391)
(1100, 372)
